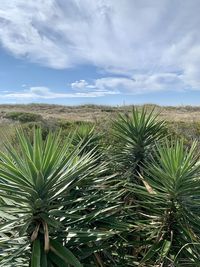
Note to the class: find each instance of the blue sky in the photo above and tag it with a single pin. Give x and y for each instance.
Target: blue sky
(109, 52)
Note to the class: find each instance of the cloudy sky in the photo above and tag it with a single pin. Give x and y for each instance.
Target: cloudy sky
(102, 51)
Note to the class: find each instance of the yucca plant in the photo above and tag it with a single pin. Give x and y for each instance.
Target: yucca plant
(89, 139)
(169, 223)
(135, 137)
(48, 215)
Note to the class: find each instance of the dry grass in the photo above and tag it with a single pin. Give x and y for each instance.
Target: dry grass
(97, 113)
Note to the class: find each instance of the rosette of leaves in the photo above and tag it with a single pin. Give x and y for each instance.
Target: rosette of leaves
(136, 135)
(55, 210)
(169, 222)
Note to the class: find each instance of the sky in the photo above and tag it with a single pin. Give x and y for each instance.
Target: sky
(112, 52)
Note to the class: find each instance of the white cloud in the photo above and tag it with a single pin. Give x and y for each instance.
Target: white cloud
(82, 84)
(42, 92)
(140, 38)
(137, 84)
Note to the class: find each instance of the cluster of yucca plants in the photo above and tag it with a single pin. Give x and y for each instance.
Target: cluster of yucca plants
(79, 203)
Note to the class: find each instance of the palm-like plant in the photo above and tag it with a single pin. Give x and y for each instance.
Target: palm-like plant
(169, 218)
(160, 196)
(45, 187)
(89, 139)
(136, 135)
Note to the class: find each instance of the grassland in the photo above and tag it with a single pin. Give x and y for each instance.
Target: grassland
(182, 121)
(94, 113)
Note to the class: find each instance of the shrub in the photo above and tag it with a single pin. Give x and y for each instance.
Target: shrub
(58, 215)
(136, 135)
(170, 202)
(23, 116)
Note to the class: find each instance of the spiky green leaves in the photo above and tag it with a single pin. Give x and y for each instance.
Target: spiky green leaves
(136, 135)
(44, 185)
(170, 212)
(58, 255)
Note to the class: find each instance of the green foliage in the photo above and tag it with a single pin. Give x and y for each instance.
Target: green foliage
(135, 137)
(70, 125)
(23, 116)
(127, 196)
(88, 138)
(44, 184)
(170, 206)
(189, 131)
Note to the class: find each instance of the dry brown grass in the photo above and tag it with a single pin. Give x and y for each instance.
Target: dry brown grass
(97, 113)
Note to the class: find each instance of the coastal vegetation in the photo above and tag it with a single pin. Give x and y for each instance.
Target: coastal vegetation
(120, 187)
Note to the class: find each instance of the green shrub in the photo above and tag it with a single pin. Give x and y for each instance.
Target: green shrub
(64, 124)
(23, 116)
(55, 213)
(136, 135)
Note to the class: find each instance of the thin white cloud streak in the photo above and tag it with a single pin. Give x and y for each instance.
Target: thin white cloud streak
(134, 37)
(42, 92)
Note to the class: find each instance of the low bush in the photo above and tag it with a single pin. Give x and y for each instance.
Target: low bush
(23, 116)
